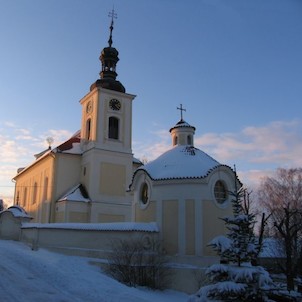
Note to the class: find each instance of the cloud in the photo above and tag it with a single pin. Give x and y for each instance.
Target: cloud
(278, 143)
(152, 148)
(10, 151)
(9, 124)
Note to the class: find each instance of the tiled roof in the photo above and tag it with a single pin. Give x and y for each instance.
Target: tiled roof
(76, 138)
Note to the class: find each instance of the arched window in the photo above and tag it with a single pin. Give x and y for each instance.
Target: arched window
(25, 196)
(88, 129)
(45, 192)
(35, 193)
(113, 127)
(175, 141)
(17, 199)
(189, 140)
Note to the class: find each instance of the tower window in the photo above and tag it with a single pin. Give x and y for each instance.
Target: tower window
(113, 127)
(88, 129)
(189, 140)
(175, 141)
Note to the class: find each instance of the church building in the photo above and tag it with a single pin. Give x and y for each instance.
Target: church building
(94, 178)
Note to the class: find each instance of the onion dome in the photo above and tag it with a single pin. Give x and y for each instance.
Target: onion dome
(109, 58)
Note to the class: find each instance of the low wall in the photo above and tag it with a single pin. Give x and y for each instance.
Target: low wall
(95, 241)
(92, 240)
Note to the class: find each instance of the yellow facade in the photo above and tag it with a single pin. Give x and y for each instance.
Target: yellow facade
(112, 179)
(190, 227)
(170, 226)
(40, 185)
(213, 226)
(33, 189)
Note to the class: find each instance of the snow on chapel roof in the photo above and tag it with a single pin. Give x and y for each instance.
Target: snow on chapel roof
(182, 161)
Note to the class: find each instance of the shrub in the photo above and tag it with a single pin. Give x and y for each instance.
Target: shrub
(138, 262)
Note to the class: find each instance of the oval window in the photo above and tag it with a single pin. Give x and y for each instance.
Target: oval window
(144, 193)
(220, 192)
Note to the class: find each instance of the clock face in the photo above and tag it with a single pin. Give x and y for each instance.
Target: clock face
(115, 104)
(89, 107)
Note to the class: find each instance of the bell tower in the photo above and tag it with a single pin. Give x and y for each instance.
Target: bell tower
(106, 135)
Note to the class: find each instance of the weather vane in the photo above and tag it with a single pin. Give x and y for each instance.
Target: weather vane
(112, 15)
(181, 110)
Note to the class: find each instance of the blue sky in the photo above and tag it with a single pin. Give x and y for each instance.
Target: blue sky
(235, 65)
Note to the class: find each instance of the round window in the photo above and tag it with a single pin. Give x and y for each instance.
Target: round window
(220, 192)
(144, 193)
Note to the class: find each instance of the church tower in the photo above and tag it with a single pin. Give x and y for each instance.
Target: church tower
(106, 141)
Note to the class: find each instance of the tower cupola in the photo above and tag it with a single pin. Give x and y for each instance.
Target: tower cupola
(182, 133)
(109, 58)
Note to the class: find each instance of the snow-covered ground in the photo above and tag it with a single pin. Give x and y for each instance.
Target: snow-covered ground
(36, 276)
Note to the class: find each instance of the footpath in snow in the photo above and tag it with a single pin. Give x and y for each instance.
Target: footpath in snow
(35, 276)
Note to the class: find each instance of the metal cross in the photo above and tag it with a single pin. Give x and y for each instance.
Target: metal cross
(113, 15)
(181, 110)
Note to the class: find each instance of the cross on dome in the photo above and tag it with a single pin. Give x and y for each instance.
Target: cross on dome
(181, 110)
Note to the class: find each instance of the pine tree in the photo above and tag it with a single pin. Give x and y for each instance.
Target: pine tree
(242, 245)
(237, 279)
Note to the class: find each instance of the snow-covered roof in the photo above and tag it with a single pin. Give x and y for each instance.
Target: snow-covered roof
(77, 193)
(182, 161)
(182, 124)
(136, 161)
(113, 226)
(17, 211)
(72, 145)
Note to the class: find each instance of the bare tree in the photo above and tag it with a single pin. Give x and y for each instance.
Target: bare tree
(281, 197)
(137, 264)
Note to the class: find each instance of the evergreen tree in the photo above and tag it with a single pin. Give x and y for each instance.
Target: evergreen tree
(240, 244)
(237, 279)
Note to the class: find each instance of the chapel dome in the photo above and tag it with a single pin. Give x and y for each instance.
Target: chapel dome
(182, 161)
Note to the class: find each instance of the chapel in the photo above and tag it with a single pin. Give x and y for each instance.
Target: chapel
(93, 177)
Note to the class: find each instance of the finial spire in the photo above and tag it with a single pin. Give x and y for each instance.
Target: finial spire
(181, 110)
(113, 15)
